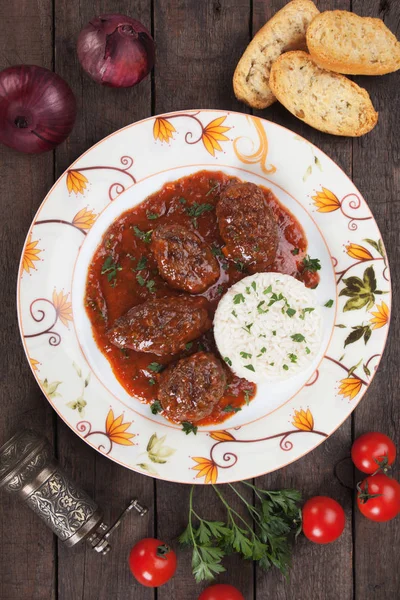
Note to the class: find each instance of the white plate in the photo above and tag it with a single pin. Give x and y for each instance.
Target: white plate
(121, 171)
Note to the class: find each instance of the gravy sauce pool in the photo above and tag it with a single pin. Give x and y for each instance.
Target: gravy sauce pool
(123, 273)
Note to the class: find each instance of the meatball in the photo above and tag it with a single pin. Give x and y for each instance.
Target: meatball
(247, 226)
(162, 326)
(184, 260)
(191, 388)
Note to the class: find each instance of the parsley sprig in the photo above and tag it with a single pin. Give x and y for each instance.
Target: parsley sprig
(265, 539)
(196, 210)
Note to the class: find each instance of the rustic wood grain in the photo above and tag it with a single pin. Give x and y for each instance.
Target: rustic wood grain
(27, 560)
(198, 46)
(82, 573)
(376, 173)
(325, 571)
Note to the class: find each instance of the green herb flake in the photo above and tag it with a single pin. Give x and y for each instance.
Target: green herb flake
(295, 251)
(151, 285)
(329, 304)
(245, 355)
(274, 332)
(268, 290)
(240, 266)
(216, 251)
(238, 298)
(304, 311)
(234, 313)
(231, 409)
(308, 351)
(247, 327)
(311, 264)
(189, 427)
(196, 210)
(213, 188)
(247, 394)
(254, 285)
(272, 364)
(298, 337)
(228, 360)
(155, 407)
(142, 264)
(124, 352)
(188, 345)
(220, 290)
(290, 312)
(293, 358)
(152, 381)
(250, 368)
(140, 280)
(285, 367)
(182, 200)
(145, 236)
(152, 216)
(111, 268)
(155, 367)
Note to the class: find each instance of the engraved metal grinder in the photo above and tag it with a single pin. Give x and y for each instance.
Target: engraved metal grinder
(29, 471)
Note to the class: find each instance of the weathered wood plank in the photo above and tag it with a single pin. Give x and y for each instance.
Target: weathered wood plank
(27, 566)
(318, 571)
(376, 173)
(102, 110)
(198, 46)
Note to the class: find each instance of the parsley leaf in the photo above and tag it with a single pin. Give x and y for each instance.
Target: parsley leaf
(155, 367)
(217, 251)
(245, 355)
(228, 360)
(155, 407)
(285, 367)
(311, 264)
(298, 337)
(111, 268)
(189, 427)
(295, 251)
(238, 298)
(151, 215)
(329, 304)
(145, 236)
(196, 210)
(240, 266)
(140, 280)
(250, 368)
(151, 284)
(142, 264)
(231, 409)
(290, 312)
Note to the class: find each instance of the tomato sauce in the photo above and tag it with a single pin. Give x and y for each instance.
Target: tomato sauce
(123, 273)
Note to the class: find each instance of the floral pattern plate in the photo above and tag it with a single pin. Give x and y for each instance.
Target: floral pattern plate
(281, 424)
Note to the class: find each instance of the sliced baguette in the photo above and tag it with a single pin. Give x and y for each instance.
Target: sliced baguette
(327, 101)
(285, 31)
(346, 43)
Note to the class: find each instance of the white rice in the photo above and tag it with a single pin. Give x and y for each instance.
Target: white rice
(262, 339)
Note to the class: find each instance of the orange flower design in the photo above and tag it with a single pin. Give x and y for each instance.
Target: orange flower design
(222, 436)
(63, 307)
(206, 468)
(163, 130)
(350, 387)
(303, 420)
(84, 219)
(76, 182)
(116, 430)
(358, 252)
(34, 364)
(381, 316)
(31, 254)
(214, 133)
(326, 201)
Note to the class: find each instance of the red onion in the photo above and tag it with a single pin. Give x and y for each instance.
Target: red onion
(116, 50)
(37, 109)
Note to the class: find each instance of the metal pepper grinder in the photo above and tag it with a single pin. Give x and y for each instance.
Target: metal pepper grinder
(29, 470)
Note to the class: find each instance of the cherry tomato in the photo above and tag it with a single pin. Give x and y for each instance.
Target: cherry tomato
(323, 519)
(221, 591)
(152, 562)
(378, 497)
(373, 450)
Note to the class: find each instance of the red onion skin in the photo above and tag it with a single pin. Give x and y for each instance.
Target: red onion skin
(116, 50)
(37, 109)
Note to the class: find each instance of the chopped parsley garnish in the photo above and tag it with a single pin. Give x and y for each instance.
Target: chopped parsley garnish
(247, 290)
(262, 351)
(214, 187)
(268, 290)
(254, 285)
(196, 210)
(151, 215)
(290, 312)
(225, 266)
(245, 355)
(295, 251)
(217, 251)
(271, 364)
(142, 264)
(250, 368)
(247, 327)
(308, 350)
(285, 367)
(234, 313)
(293, 358)
(140, 280)
(228, 360)
(155, 407)
(151, 284)
(145, 236)
(329, 304)
(189, 427)
(303, 312)
(276, 298)
(188, 345)
(247, 394)
(298, 337)
(240, 266)
(220, 289)
(111, 268)
(311, 264)
(238, 298)
(155, 367)
(152, 381)
(182, 200)
(229, 409)
(274, 332)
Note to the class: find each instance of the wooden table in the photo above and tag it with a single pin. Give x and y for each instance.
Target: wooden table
(198, 45)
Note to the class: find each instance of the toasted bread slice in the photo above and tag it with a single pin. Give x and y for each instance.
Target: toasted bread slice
(285, 31)
(327, 101)
(346, 43)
